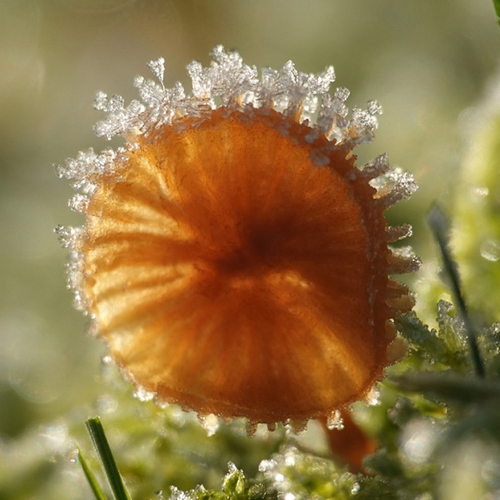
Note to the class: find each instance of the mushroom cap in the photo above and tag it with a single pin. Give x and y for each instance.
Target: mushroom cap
(234, 258)
(230, 274)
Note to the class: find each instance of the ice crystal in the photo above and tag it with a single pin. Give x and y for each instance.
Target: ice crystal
(376, 167)
(335, 421)
(143, 395)
(373, 397)
(447, 345)
(68, 236)
(158, 68)
(79, 203)
(210, 423)
(396, 233)
(403, 260)
(229, 81)
(234, 84)
(285, 473)
(86, 165)
(394, 185)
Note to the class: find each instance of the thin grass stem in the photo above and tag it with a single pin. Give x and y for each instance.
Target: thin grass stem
(101, 445)
(94, 485)
(496, 4)
(438, 222)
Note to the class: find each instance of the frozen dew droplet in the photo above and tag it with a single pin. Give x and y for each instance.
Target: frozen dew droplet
(74, 456)
(210, 423)
(231, 468)
(393, 186)
(490, 250)
(373, 396)
(176, 494)
(279, 478)
(161, 403)
(396, 233)
(107, 360)
(267, 466)
(296, 426)
(143, 395)
(289, 457)
(334, 421)
(376, 167)
(68, 236)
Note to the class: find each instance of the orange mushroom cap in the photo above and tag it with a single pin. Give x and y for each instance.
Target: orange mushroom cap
(234, 258)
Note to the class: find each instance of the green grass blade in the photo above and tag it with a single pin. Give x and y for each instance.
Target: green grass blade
(101, 445)
(94, 485)
(496, 3)
(439, 224)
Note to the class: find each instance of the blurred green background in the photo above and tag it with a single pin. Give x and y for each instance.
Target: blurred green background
(427, 62)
